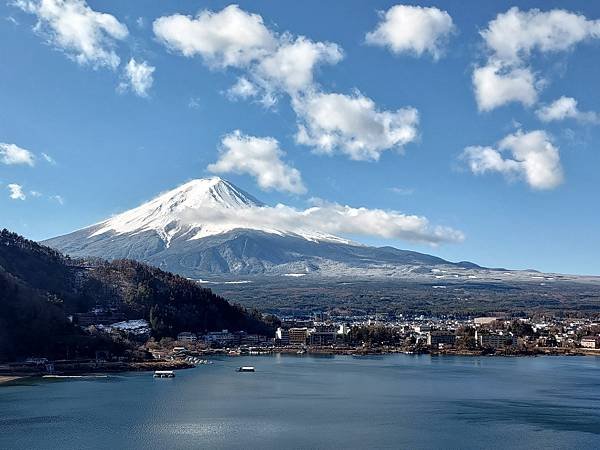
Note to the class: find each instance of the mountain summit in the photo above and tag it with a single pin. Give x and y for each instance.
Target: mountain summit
(166, 214)
(209, 226)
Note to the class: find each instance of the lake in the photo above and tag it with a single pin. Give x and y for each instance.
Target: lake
(392, 401)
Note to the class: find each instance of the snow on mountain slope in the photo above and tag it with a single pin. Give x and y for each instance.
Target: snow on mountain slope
(198, 209)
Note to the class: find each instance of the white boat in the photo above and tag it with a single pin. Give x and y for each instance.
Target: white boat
(246, 369)
(164, 374)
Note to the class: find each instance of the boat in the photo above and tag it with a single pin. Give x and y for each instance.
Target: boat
(164, 374)
(246, 369)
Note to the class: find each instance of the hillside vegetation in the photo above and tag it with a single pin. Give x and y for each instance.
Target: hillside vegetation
(40, 288)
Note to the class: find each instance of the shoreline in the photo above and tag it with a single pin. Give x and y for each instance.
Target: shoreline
(76, 369)
(5, 379)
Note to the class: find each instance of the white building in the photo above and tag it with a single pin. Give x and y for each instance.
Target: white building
(592, 342)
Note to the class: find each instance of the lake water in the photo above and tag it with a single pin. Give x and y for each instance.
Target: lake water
(394, 401)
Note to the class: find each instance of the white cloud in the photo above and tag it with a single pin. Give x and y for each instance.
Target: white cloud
(12, 154)
(413, 29)
(233, 37)
(496, 86)
(402, 191)
(242, 89)
(273, 64)
(194, 103)
(35, 194)
(330, 218)
(534, 158)
(511, 38)
(49, 159)
(230, 37)
(58, 199)
(353, 125)
(16, 191)
(260, 158)
(291, 67)
(566, 108)
(513, 35)
(72, 26)
(137, 77)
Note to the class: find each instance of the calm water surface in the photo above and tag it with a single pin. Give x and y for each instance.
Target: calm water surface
(395, 401)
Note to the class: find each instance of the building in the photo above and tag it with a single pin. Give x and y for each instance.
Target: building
(322, 335)
(435, 338)
(488, 339)
(298, 336)
(252, 339)
(223, 338)
(186, 336)
(485, 320)
(424, 328)
(592, 342)
(282, 336)
(343, 330)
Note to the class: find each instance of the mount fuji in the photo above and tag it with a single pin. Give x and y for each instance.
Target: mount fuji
(209, 227)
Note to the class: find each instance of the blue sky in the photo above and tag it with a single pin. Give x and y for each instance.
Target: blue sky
(506, 158)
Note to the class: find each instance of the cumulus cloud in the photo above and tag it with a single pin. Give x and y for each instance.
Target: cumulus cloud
(273, 64)
(233, 37)
(533, 157)
(513, 35)
(511, 38)
(327, 218)
(566, 108)
(291, 67)
(87, 36)
(12, 154)
(496, 86)
(260, 158)
(413, 29)
(353, 125)
(16, 191)
(137, 76)
(230, 37)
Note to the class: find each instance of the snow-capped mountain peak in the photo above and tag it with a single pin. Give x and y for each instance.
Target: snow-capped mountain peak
(198, 209)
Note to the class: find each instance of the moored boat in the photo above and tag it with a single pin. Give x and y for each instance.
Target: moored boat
(164, 374)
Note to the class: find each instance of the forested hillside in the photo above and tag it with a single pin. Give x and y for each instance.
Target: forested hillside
(40, 288)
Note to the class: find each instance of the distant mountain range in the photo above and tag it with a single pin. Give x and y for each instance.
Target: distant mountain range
(199, 229)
